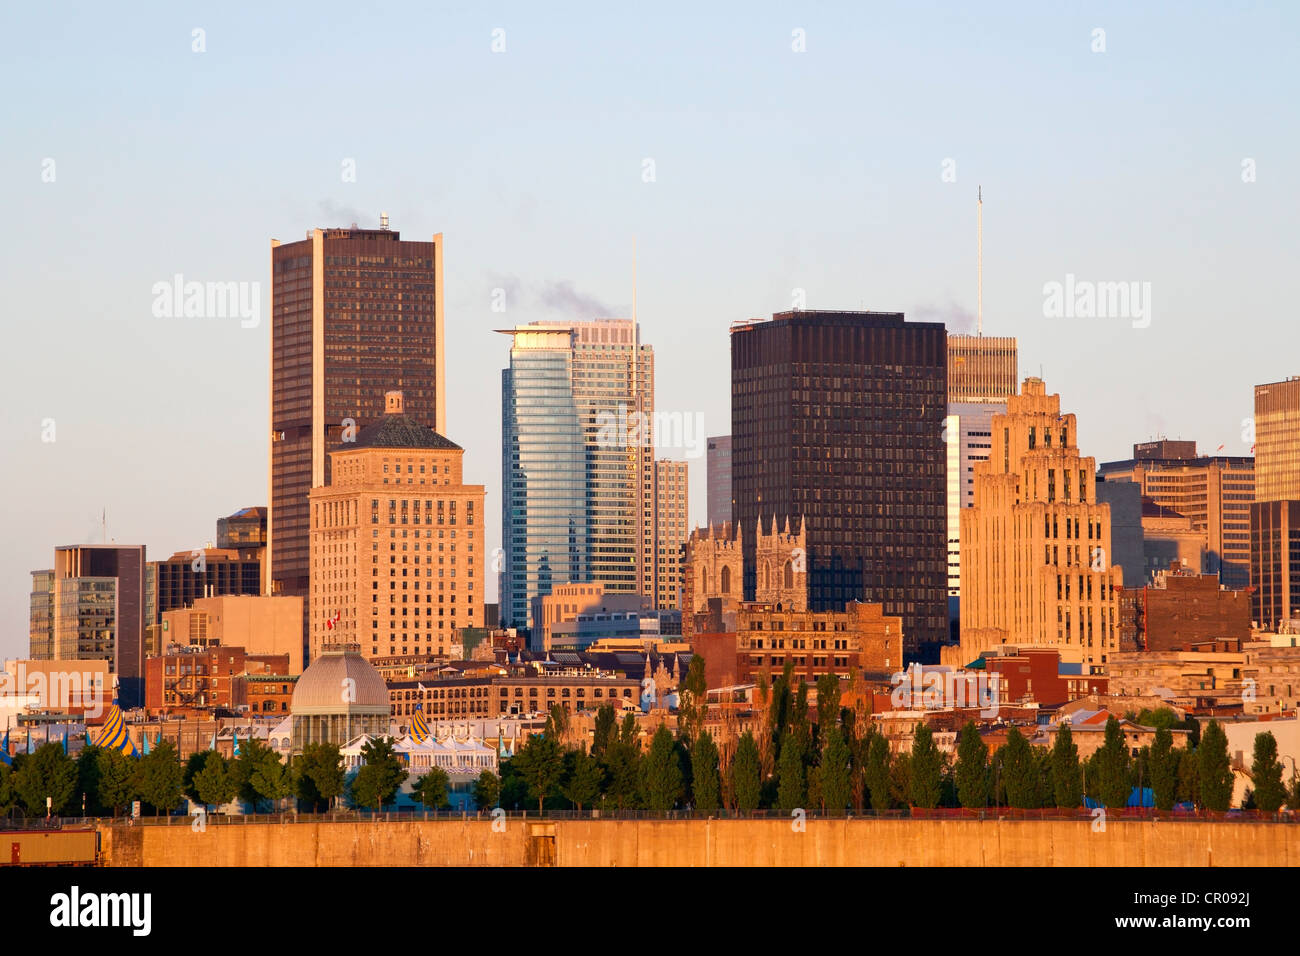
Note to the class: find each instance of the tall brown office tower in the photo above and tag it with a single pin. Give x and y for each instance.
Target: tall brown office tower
(353, 312)
(838, 417)
(1277, 440)
(1275, 513)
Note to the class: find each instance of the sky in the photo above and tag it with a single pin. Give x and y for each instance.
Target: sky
(756, 154)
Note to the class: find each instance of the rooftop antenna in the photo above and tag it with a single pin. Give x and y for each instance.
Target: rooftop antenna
(636, 405)
(979, 271)
(103, 520)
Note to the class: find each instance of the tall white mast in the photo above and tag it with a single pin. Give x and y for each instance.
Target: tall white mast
(979, 240)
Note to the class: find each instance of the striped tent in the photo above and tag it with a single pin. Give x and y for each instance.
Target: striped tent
(419, 725)
(114, 733)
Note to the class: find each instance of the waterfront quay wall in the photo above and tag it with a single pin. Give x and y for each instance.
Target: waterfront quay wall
(767, 842)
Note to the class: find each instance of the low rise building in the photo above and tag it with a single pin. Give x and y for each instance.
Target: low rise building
(861, 638)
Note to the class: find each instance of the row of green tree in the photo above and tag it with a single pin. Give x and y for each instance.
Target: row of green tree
(796, 762)
(109, 782)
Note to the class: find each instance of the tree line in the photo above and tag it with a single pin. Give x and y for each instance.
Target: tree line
(109, 782)
(828, 764)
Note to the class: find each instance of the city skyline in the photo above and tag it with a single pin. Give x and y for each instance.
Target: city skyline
(175, 436)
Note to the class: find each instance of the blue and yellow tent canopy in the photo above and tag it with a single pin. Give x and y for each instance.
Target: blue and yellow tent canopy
(419, 725)
(114, 734)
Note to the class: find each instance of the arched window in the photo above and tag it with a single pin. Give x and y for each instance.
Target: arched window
(726, 580)
(789, 575)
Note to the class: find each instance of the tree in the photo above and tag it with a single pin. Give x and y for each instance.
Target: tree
(193, 764)
(1112, 767)
(877, 772)
(746, 782)
(704, 773)
(1161, 717)
(584, 781)
(1066, 773)
(270, 779)
(159, 776)
(318, 774)
(606, 730)
(557, 724)
(622, 764)
(88, 779)
(1189, 777)
(1266, 772)
(836, 769)
(215, 784)
(693, 699)
(48, 772)
(790, 793)
(487, 790)
(1164, 770)
(254, 757)
(1018, 770)
(8, 798)
(972, 768)
(925, 784)
(1214, 768)
(116, 779)
(433, 789)
(380, 777)
(661, 777)
(828, 702)
(540, 764)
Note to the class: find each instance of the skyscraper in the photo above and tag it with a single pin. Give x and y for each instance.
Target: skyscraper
(98, 607)
(396, 543)
(981, 374)
(1277, 440)
(353, 312)
(982, 368)
(1275, 514)
(671, 498)
(1214, 492)
(1036, 544)
(719, 480)
(577, 461)
(1275, 562)
(837, 419)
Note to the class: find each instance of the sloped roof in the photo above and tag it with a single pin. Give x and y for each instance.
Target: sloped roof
(401, 431)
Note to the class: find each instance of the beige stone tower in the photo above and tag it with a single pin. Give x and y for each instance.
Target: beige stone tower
(781, 566)
(1035, 547)
(396, 543)
(712, 568)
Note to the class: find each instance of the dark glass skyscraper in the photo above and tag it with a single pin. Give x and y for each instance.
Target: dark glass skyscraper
(838, 417)
(353, 312)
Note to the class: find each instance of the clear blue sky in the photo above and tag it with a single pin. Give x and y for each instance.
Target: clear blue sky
(775, 170)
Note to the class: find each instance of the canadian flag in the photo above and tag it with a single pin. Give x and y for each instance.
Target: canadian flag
(330, 622)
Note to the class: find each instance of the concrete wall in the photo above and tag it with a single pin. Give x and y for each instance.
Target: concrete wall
(708, 843)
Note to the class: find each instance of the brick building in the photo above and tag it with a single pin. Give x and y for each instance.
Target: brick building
(189, 679)
(861, 638)
(1182, 610)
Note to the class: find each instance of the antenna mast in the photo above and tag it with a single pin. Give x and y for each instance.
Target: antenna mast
(979, 240)
(638, 466)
